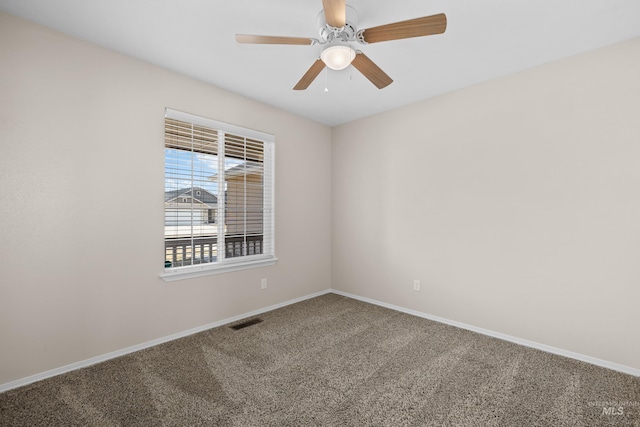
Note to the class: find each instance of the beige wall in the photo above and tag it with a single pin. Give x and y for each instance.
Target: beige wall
(515, 202)
(81, 138)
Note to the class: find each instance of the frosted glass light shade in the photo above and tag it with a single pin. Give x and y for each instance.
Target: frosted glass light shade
(337, 57)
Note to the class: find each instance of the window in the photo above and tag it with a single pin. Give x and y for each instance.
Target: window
(218, 197)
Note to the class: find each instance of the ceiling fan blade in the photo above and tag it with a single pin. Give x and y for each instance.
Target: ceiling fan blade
(335, 12)
(371, 71)
(425, 26)
(248, 38)
(310, 75)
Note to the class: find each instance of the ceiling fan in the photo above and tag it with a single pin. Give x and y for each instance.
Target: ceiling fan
(338, 28)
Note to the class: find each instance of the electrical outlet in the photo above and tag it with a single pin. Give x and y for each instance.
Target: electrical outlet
(416, 285)
(263, 284)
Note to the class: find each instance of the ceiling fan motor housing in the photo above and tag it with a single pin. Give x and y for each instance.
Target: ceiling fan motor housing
(347, 33)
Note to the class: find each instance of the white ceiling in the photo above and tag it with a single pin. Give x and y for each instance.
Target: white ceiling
(484, 40)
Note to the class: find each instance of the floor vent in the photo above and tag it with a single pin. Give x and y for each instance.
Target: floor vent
(245, 324)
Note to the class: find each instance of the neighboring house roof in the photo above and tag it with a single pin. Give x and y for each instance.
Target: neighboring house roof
(246, 168)
(198, 193)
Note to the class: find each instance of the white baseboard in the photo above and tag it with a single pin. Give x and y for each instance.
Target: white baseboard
(546, 348)
(102, 358)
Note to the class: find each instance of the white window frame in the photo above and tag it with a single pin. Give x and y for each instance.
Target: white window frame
(268, 257)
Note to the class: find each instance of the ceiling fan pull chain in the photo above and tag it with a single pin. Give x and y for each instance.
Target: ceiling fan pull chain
(326, 80)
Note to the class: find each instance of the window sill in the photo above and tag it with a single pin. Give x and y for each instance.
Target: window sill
(192, 271)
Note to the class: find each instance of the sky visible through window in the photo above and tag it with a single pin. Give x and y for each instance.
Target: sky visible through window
(178, 168)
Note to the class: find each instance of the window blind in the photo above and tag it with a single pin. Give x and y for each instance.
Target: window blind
(218, 193)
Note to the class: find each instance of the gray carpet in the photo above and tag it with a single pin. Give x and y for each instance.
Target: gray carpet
(331, 361)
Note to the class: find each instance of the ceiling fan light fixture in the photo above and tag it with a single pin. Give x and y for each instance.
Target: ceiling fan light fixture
(338, 57)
